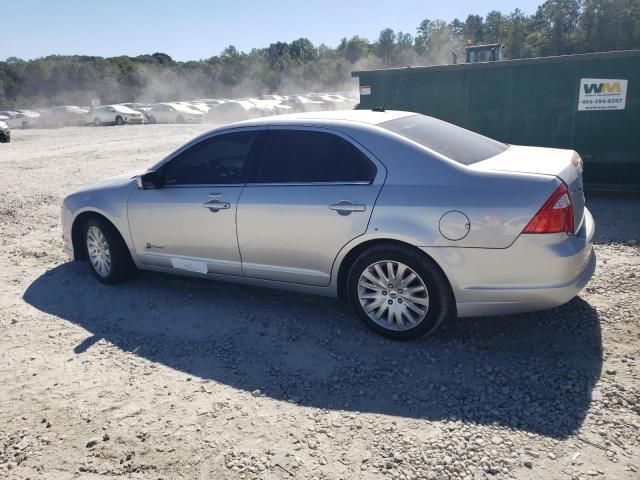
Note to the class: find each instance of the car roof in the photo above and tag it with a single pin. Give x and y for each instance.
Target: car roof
(369, 117)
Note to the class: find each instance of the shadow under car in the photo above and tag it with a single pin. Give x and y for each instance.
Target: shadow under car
(532, 371)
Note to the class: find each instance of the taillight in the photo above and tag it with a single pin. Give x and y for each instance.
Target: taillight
(555, 216)
(576, 161)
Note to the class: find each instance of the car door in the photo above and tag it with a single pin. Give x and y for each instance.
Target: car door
(109, 114)
(170, 114)
(16, 121)
(311, 193)
(158, 113)
(102, 114)
(189, 223)
(161, 113)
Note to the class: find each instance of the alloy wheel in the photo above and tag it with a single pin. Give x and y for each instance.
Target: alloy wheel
(98, 250)
(393, 295)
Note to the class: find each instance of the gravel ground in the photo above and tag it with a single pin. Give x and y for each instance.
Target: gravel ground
(167, 377)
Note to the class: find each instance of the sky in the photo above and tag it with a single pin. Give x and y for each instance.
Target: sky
(199, 29)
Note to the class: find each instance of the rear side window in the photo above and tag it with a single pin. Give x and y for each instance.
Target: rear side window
(303, 156)
(456, 143)
(218, 160)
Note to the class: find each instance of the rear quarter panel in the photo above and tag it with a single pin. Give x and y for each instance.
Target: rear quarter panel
(422, 186)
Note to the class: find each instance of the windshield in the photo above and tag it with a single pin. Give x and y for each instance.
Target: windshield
(456, 143)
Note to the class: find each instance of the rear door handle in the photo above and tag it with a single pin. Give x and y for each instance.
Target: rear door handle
(345, 207)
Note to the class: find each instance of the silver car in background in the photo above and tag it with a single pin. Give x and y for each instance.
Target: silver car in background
(23, 119)
(114, 115)
(407, 218)
(174, 113)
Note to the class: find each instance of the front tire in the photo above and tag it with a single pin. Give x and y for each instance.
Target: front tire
(119, 120)
(398, 293)
(180, 119)
(107, 253)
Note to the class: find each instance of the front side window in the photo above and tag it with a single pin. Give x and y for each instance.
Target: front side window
(218, 160)
(304, 156)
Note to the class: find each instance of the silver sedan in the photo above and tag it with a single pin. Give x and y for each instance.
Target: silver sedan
(407, 218)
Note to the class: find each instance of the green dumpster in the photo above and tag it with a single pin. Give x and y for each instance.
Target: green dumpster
(589, 103)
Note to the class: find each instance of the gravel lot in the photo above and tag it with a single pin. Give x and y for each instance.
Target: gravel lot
(167, 377)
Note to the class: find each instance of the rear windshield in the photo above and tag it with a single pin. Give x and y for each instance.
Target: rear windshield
(456, 143)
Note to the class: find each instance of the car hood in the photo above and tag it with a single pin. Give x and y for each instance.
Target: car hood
(112, 182)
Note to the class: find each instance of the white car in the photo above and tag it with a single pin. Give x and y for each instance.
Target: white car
(265, 108)
(174, 113)
(4, 114)
(199, 106)
(278, 98)
(114, 115)
(24, 119)
(233, 111)
(5, 132)
(143, 108)
(301, 103)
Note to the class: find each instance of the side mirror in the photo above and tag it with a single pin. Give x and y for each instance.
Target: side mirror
(149, 181)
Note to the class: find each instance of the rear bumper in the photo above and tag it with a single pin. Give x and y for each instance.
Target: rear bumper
(535, 273)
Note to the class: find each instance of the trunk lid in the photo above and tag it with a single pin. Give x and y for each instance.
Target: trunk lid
(564, 164)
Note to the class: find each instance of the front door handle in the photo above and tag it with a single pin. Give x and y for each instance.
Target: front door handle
(215, 205)
(345, 207)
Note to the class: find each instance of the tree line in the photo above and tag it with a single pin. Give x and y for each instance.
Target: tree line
(558, 27)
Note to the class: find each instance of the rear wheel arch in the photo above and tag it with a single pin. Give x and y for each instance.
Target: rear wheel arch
(357, 250)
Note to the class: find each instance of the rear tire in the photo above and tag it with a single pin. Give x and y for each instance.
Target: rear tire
(152, 119)
(180, 119)
(97, 122)
(108, 255)
(398, 293)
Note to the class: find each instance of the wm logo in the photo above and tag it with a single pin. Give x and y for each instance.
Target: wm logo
(602, 88)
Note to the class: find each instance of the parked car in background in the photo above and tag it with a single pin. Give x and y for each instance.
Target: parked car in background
(408, 218)
(278, 98)
(5, 132)
(143, 108)
(212, 102)
(64, 116)
(300, 103)
(266, 107)
(232, 111)
(114, 115)
(174, 113)
(199, 106)
(24, 119)
(4, 114)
